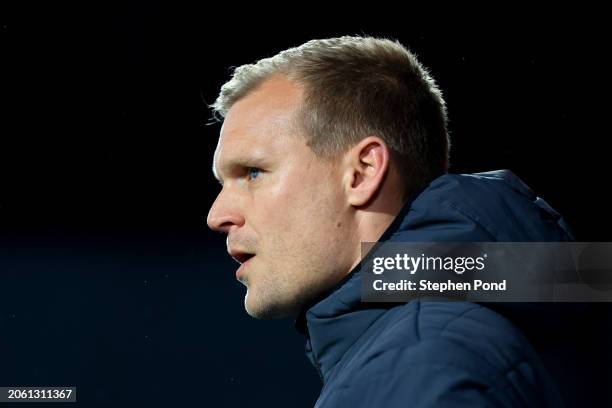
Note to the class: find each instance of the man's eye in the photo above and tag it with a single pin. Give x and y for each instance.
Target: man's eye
(253, 172)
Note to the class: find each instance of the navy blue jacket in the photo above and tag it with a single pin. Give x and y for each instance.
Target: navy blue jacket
(438, 354)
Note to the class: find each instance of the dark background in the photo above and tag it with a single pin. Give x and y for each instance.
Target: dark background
(109, 278)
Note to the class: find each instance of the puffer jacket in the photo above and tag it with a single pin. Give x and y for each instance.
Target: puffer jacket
(438, 354)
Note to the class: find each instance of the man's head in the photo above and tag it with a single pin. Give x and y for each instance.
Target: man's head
(320, 146)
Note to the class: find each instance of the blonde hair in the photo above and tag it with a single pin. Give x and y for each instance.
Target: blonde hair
(355, 87)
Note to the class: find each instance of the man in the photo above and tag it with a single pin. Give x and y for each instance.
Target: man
(342, 141)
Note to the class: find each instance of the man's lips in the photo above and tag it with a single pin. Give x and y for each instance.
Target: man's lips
(243, 265)
(240, 256)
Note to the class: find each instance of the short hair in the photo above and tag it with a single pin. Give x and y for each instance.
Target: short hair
(355, 87)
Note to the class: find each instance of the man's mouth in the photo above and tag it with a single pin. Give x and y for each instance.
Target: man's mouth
(243, 259)
(240, 256)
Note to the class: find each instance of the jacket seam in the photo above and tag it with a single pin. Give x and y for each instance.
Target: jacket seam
(465, 312)
(473, 218)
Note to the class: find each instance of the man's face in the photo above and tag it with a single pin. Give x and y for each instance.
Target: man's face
(284, 209)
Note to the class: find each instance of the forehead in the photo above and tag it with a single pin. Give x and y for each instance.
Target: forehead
(261, 123)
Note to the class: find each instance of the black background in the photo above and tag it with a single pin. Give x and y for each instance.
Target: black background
(109, 279)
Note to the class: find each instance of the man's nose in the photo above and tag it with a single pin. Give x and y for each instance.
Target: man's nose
(223, 215)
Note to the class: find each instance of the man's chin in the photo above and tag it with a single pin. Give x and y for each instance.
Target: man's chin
(266, 309)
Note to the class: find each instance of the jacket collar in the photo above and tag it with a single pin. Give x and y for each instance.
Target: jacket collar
(334, 321)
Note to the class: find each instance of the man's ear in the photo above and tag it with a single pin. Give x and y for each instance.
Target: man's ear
(367, 164)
